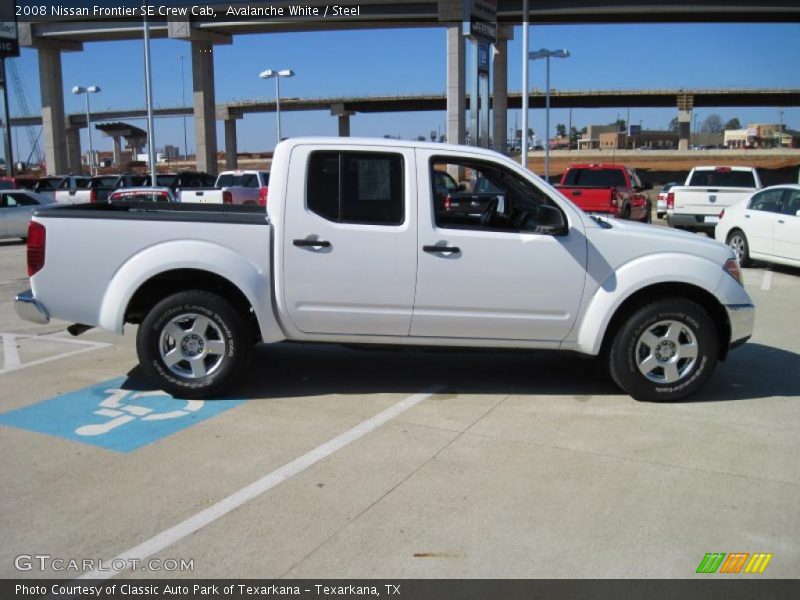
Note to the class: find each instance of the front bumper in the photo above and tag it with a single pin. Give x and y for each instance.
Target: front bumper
(742, 319)
(30, 309)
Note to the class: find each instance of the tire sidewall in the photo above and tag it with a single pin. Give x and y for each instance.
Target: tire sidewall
(627, 372)
(219, 312)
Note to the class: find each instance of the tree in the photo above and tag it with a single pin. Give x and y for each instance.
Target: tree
(561, 130)
(733, 124)
(673, 125)
(574, 136)
(712, 124)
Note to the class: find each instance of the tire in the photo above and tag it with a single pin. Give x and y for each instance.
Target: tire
(665, 351)
(737, 241)
(208, 336)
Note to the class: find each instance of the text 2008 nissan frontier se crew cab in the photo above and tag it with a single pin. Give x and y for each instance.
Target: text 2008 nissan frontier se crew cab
(354, 249)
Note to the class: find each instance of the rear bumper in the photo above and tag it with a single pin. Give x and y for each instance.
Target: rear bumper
(742, 319)
(30, 309)
(692, 221)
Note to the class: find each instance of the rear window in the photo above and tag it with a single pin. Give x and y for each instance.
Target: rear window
(723, 179)
(6, 185)
(595, 178)
(99, 182)
(244, 180)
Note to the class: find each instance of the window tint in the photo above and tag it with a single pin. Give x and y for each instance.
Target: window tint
(768, 201)
(21, 200)
(595, 178)
(791, 202)
(723, 179)
(492, 198)
(356, 187)
(265, 178)
(6, 185)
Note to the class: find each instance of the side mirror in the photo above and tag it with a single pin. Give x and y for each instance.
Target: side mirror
(550, 221)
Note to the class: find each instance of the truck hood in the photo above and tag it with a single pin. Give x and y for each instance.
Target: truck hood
(625, 241)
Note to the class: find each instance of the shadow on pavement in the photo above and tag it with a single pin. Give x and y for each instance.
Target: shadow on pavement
(299, 370)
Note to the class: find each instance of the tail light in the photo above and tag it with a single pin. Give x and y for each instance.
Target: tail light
(227, 197)
(93, 196)
(36, 244)
(448, 203)
(670, 201)
(262, 196)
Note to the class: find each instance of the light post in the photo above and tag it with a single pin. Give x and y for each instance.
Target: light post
(695, 130)
(547, 54)
(92, 89)
(269, 74)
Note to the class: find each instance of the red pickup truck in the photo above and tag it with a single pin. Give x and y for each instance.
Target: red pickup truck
(611, 190)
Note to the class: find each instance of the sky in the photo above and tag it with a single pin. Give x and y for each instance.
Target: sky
(412, 61)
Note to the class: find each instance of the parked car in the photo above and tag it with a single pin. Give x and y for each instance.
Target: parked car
(67, 190)
(695, 206)
(101, 186)
(16, 208)
(143, 194)
(182, 182)
(233, 187)
(765, 227)
(18, 183)
(661, 200)
(353, 250)
(607, 189)
(47, 186)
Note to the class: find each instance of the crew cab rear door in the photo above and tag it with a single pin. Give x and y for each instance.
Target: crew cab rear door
(349, 240)
(493, 276)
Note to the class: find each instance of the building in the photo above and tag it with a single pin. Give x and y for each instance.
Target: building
(762, 135)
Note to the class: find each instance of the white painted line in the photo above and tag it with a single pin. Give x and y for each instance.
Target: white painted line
(205, 517)
(9, 342)
(766, 283)
(10, 354)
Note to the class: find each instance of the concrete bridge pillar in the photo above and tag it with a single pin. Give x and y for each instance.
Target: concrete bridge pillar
(205, 125)
(338, 110)
(117, 144)
(72, 142)
(53, 124)
(685, 106)
(456, 85)
(500, 89)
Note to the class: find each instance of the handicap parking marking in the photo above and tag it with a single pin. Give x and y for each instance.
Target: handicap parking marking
(113, 417)
(13, 360)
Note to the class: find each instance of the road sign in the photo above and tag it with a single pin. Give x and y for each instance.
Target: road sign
(9, 42)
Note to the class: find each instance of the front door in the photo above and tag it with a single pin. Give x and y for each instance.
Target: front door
(760, 218)
(349, 245)
(787, 227)
(498, 274)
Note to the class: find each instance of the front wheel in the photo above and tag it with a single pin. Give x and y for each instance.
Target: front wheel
(193, 344)
(737, 241)
(665, 351)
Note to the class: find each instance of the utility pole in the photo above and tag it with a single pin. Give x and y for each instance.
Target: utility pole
(183, 105)
(7, 121)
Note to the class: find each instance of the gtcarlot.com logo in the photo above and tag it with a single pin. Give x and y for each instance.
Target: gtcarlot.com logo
(734, 563)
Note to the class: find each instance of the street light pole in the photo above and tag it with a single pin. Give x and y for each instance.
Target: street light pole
(183, 104)
(547, 55)
(148, 83)
(92, 89)
(525, 91)
(269, 74)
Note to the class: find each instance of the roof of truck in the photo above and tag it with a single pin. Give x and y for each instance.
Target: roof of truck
(388, 143)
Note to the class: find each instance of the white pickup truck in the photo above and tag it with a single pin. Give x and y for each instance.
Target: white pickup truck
(354, 248)
(696, 205)
(232, 187)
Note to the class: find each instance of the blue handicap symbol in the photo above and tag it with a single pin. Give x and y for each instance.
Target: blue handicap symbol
(112, 417)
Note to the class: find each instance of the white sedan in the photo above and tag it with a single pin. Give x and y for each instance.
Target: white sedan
(765, 227)
(16, 208)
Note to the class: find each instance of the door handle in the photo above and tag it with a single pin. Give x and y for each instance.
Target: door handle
(781, 221)
(312, 243)
(577, 193)
(747, 216)
(442, 249)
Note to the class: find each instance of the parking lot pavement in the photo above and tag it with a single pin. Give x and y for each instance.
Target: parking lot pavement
(327, 461)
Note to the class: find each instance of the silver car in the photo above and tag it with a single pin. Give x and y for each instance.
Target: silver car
(16, 208)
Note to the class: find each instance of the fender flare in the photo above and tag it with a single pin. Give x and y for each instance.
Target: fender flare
(249, 278)
(634, 276)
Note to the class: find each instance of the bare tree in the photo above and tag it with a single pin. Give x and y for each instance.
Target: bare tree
(712, 124)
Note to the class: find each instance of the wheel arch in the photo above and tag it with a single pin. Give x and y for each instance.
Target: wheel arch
(660, 291)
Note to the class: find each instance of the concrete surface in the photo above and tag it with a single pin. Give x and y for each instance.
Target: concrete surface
(522, 465)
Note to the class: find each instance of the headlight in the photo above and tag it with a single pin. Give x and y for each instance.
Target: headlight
(731, 267)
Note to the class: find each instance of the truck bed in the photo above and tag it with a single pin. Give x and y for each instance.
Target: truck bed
(151, 211)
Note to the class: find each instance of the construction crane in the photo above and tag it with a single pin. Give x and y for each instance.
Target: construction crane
(22, 102)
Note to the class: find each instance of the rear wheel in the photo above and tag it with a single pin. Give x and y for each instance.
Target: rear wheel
(665, 351)
(193, 344)
(738, 243)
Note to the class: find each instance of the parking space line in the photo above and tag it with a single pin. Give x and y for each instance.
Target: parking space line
(11, 359)
(205, 517)
(766, 282)
(10, 354)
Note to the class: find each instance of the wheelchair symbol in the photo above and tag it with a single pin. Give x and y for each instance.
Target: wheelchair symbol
(116, 407)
